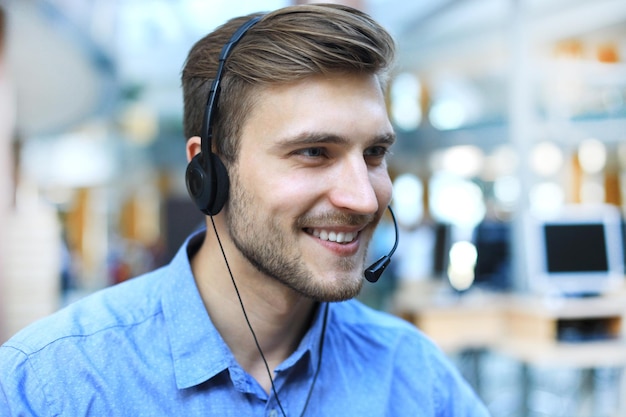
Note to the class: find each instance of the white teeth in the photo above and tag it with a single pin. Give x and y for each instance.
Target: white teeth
(339, 237)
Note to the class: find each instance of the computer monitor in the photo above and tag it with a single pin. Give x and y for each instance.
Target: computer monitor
(492, 239)
(441, 249)
(576, 251)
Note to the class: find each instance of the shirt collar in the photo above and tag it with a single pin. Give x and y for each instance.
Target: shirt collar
(311, 342)
(198, 350)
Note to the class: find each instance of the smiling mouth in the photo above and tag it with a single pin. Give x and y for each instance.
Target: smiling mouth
(333, 236)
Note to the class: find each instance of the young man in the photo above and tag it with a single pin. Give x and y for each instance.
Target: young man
(254, 315)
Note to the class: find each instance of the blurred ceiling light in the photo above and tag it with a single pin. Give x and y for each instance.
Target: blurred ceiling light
(546, 159)
(546, 197)
(463, 256)
(507, 190)
(503, 161)
(465, 161)
(456, 201)
(447, 114)
(408, 193)
(455, 103)
(406, 93)
(592, 192)
(592, 156)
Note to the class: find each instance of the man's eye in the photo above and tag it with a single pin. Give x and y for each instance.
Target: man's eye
(377, 151)
(312, 152)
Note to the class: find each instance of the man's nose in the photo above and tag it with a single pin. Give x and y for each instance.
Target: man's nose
(352, 189)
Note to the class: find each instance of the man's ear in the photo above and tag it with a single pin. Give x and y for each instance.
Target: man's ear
(193, 147)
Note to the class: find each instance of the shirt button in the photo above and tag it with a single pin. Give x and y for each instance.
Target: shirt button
(273, 413)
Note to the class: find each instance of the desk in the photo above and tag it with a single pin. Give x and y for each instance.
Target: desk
(460, 323)
(582, 333)
(531, 330)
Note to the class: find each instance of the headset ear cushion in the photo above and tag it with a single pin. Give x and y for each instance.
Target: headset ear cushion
(221, 185)
(207, 186)
(198, 183)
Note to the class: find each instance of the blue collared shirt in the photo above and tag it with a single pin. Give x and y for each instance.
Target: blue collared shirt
(147, 347)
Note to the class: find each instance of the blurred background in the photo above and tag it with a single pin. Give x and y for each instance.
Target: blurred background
(503, 109)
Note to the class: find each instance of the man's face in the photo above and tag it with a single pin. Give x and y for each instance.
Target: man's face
(311, 183)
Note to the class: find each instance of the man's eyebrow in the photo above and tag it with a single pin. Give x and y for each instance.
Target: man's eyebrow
(387, 138)
(308, 138)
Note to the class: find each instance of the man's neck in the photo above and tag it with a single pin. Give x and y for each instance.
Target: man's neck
(278, 316)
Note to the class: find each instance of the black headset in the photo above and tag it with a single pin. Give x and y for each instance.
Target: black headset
(206, 176)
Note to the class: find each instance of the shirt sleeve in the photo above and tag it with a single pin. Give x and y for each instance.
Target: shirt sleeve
(454, 396)
(21, 392)
(429, 382)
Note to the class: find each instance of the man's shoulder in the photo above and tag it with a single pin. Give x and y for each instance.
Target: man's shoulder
(361, 321)
(354, 312)
(83, 352)
(114, 307)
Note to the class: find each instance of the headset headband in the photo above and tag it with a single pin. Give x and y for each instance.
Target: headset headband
(209, 114)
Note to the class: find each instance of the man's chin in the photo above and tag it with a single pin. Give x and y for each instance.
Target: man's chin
(345, 288)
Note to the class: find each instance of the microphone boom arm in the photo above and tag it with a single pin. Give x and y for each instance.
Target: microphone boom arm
(374, 271)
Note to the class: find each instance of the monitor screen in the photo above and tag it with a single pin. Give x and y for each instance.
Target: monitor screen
(441, 249)
(493, 263)
(576, 248)
(577, 251)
